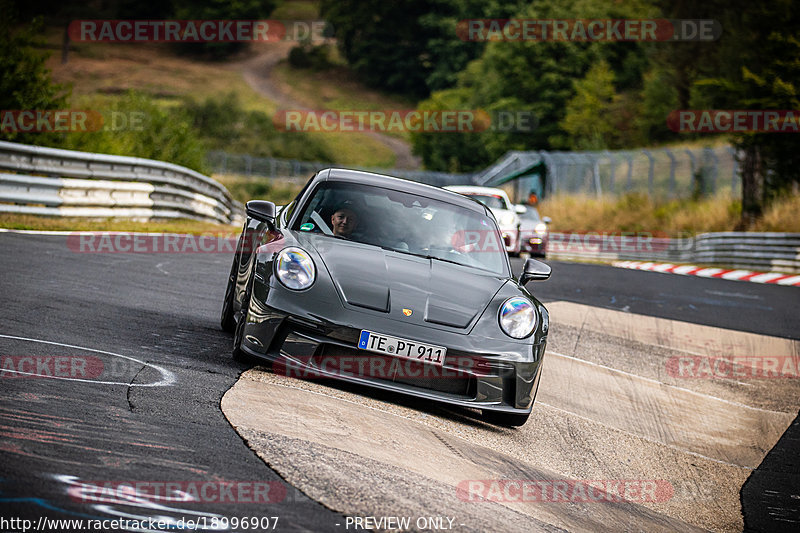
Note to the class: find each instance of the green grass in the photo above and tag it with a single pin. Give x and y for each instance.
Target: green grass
(278, 191)
(296, 10)
(34, 222)
(336, 88)
(102, 73)
(634, 213)
(108, 70)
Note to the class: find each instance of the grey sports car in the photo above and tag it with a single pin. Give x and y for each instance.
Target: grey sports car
(391, 284)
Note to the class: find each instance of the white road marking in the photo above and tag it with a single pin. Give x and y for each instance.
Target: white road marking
(35, 232)
(661, 383)
(660, 443)
(167, 379)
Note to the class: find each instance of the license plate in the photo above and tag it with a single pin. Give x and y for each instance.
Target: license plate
(416, 351)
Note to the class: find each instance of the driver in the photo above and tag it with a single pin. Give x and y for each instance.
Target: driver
(344, 220)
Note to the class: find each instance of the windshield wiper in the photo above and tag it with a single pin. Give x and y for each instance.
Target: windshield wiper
(437, 258)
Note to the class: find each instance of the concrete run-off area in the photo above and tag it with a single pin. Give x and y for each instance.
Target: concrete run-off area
(613, 414)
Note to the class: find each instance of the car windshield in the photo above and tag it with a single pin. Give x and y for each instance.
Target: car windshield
(489, 200)
(405, 223)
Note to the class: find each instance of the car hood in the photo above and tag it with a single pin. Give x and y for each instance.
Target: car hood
(499, 214)
(407, 287)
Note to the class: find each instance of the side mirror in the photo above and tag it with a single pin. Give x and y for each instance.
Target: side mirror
(534, 271)
(520, 209)
(547, 220)
(261, 210)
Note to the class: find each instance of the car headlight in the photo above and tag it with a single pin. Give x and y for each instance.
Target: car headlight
(517, 317)
(506, 219)
(295, 269)
(541, 228)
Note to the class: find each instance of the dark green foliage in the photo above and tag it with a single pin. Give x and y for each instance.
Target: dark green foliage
(219, 10)
(306, 55)
(165, 134)
(758, 67)
(223, 124)
(541, 76)
(25, 83)
(409, 47)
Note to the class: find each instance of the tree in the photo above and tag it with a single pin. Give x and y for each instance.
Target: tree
(759, 70)
(409, 47)
(451, 151)
(161, 133)
(218, 10)
(658, 98)
(588, 117)
(25, 83)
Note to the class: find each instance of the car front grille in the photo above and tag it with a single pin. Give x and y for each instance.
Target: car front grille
(350, 362)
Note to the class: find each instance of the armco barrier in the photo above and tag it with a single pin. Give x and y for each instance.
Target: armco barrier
(778, 252)
(50, 181)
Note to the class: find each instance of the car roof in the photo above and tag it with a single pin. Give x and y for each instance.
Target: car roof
(469, 189)
(399, 184)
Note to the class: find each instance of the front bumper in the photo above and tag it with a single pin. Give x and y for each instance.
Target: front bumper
(510, 239)
(533, 243)
(474, 374)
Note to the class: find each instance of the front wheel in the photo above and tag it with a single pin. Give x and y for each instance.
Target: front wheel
(500, 418)
(238, 335)
(226, 320)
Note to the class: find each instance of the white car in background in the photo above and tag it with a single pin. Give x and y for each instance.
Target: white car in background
(506, 213)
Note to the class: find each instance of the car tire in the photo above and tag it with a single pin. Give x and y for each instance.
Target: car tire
(238, 336)
(500, 418)
(226, 320)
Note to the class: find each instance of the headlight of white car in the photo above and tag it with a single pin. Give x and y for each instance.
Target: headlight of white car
(541, 228)
(506, 219)
(295, 269)
(517, 317)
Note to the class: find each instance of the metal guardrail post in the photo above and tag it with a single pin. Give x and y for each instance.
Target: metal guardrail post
(551, 176)
(629, 180)
(672, 164)
(735, 171)
(650, 172)
(708, 153)
(613, 166)
(693, 167)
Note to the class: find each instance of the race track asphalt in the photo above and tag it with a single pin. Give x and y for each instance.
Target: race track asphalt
(148, 325)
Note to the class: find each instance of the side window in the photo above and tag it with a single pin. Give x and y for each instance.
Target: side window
(286, 212)
(311, 219)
